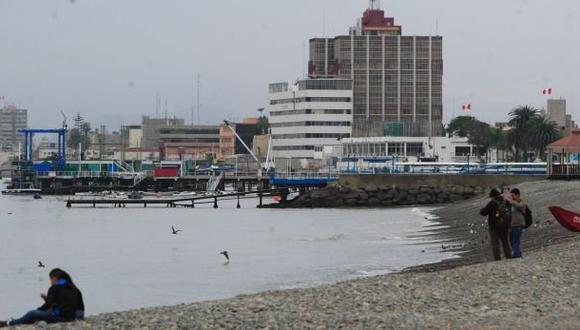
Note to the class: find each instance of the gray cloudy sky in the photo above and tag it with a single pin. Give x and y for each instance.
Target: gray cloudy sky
(108, 58)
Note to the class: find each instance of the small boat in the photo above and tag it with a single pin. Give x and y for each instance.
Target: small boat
(26, 191)
(569, 219)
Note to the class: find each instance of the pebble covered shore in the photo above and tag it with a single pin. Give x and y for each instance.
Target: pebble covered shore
(540, 291)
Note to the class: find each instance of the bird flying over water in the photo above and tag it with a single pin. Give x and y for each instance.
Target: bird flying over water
(225, 254)
(174, 232)
(40, 264)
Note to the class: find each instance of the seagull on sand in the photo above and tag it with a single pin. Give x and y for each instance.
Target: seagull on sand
(40, 264)
(174, 232)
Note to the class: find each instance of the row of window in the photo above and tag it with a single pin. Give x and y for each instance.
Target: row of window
(380, 149)
(311, 112)
(311, 136)
(293, 148)
(310, 99)
(325, 84)
(313, 123)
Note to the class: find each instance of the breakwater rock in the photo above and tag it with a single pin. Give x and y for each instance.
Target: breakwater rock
(383, 196)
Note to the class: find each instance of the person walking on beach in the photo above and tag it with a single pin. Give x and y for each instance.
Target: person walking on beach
(518, 221)
(62, 303)
(498, 213)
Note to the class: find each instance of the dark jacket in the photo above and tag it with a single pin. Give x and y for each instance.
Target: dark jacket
(490, 211)
(64, 299)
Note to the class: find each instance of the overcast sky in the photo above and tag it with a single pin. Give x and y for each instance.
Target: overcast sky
(107, 59)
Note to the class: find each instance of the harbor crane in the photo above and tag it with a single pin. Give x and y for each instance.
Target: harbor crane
(263, 166)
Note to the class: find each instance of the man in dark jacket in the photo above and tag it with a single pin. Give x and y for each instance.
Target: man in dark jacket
(61, 303)
(498, 232)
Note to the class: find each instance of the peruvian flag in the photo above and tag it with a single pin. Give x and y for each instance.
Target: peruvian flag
(466, 107)
(547, 91)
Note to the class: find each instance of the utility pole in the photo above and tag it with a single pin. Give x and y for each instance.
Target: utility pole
(197, 98)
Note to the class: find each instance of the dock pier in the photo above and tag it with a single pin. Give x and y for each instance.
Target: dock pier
(189, 202)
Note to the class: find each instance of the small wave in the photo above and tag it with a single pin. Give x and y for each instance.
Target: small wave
(337, 237)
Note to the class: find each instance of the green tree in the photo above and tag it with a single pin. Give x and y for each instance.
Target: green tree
(79, 134)
(541, 133)
(460, 126)
(478, 133)
(263, 125)
(520, 121)
(501, 143)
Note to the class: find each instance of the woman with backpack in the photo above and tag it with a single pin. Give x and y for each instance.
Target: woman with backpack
(518, 221)
(498, 213)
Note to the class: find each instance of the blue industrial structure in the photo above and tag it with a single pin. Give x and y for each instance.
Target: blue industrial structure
(28, 139)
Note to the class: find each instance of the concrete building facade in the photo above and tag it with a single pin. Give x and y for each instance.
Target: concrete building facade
(151, 126)
(189, 142)
(309, 114)
(398, 80)
(556, 111)
(11, 120)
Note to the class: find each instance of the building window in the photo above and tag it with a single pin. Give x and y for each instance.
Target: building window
(414, 149)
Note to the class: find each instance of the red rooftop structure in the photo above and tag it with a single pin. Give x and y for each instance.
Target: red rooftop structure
(375, 22)
(564, 157)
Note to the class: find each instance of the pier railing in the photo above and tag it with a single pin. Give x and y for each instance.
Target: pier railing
(88, 174)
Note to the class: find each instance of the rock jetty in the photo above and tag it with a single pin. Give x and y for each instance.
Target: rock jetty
(334, 196)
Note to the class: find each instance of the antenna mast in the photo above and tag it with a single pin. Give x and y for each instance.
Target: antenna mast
(374, 4)
(198, 101)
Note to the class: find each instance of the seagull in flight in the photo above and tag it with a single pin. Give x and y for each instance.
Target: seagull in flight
(225, 254)
(40, 264)
(174, 232)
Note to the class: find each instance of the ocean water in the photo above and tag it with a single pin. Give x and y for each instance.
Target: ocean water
(127, 258)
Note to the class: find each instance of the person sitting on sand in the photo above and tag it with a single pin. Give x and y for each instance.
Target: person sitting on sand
(63, 303)
(498, 229)
(518, 221)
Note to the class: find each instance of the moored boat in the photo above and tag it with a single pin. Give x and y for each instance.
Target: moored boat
(569, 219)
(24, 191)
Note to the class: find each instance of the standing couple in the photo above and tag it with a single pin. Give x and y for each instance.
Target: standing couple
(506, 217)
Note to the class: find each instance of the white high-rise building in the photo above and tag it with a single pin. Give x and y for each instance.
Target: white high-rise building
(309, 114)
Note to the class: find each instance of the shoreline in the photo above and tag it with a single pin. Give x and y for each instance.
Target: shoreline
(539, 291)
(332, 305)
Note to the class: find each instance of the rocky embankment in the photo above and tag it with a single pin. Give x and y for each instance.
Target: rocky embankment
(384, 196)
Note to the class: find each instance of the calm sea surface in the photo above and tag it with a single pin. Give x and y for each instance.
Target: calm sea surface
(128, 258)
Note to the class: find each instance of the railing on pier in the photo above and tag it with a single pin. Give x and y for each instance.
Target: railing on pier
(565, 170)
(174, 201)
(89, 174)
(518, 169)
(306, 179)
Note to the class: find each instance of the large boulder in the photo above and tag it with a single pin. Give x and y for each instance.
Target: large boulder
(455, 197)
(363, 195)
(424, 198)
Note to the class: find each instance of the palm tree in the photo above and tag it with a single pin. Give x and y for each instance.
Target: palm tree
(501, 142)
(520, 119)
(521, 116)
(542, 132)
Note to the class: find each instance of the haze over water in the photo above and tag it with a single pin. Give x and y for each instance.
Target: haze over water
(127, 258)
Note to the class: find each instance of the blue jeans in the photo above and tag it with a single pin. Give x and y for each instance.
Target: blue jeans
(37, 315)
(516, 241)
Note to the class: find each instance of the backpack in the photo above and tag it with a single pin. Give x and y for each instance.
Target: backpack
(529, 218)
(503, 215)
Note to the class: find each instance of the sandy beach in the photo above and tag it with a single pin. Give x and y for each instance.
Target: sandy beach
(540, 291)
